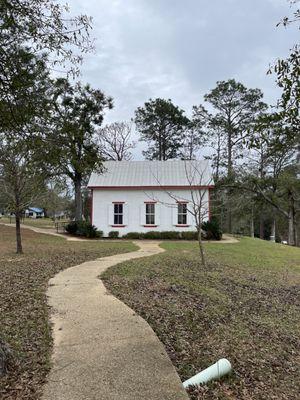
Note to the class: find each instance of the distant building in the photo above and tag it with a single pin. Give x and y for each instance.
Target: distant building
(34, 212)
(140, 196)
(60, 215)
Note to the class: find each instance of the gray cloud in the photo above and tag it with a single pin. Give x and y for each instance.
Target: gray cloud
(179, 49)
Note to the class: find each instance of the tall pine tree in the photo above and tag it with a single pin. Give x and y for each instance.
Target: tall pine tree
(161, 124)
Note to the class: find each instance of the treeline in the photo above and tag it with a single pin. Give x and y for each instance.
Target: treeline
(52, 128)
(254, 154)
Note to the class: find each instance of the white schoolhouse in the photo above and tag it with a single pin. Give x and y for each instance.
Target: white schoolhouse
(139, 196)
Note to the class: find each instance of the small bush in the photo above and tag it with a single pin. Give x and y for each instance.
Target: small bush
(133, 235)
(83, 228)
(170, 235)
(71, 227)
(189, 235)
(212, 229)
(113, 234)
(152, 235)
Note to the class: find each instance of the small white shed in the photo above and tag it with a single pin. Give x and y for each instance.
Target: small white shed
(139, 196)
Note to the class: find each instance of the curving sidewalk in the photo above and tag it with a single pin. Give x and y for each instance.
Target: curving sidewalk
(102, 349)
(225, 239)
(50, 231)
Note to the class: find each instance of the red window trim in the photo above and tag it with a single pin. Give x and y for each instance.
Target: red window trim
(150, 226)
(182, 225)
(118, 202)
(150, 202)
(118, 226)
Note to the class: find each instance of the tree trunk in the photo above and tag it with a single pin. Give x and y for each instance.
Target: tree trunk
(164, 150)
(78, 199)
(291, 219)
(229, 213)
(291, 231)
(261, 227)
(160, 146)
(229, 176)
(229, 160)
(18, 233)
(218, 158)
(217, 166)
(252, 225)
(201, 249)
(273, 231)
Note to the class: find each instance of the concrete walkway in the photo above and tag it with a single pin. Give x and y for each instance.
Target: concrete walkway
(102, 349)
(225, 238)
(52, 232)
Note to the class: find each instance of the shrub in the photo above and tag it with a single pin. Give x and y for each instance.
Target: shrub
(133, 235)
(83, 228)
(163, 235)
(113, 234)
(90, 231)
(171, 235)
(71, 227)
(189, 235)
(152, 235)
(212, 229)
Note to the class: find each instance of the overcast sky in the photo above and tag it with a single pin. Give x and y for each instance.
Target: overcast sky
(178, 49)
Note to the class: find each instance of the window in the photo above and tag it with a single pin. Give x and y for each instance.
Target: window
(182, 214)
(118, 214)
(150, 213)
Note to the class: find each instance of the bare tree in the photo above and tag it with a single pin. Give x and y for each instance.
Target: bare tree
(197, 201)
(192, 143)
(200, 200)
(115, 141)
(22, 183)
(57, 197)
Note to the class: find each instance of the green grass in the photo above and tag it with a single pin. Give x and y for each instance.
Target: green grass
(24, 314)
(245, 307)
(43, 223)
(254, 253)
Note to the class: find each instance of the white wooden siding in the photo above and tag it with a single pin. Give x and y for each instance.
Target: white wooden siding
(134, 209)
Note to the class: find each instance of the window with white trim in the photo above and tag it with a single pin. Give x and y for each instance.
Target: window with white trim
(150, 214)
(118, 213)
(182, 214)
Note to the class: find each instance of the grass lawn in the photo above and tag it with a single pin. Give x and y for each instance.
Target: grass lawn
(43, 223)
(24, 314)
(246, 307)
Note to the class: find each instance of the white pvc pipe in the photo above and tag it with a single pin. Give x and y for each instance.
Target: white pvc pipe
(215, 371)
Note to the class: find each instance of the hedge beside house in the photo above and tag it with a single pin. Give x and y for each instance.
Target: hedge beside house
(83, 228)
